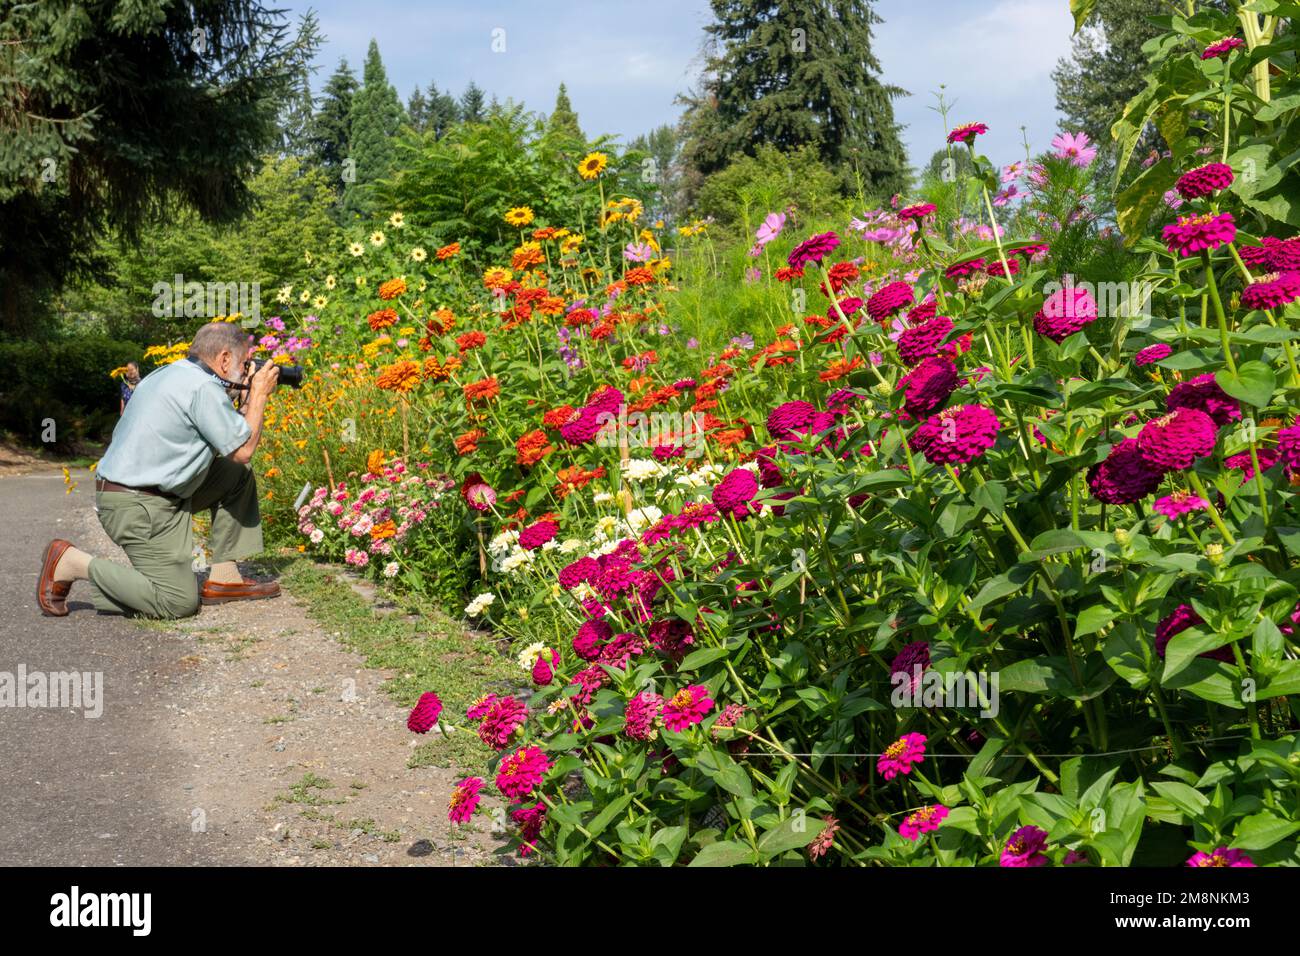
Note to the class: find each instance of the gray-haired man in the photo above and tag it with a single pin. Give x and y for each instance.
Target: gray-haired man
(180, 448)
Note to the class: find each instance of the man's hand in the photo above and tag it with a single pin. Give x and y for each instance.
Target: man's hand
(263, 382)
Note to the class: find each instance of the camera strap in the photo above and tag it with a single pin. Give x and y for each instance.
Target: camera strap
(208, 368)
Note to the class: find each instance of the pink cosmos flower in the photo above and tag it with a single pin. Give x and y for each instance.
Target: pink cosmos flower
(424, 714)
(521, 772)
(1012, 171)
(1025, 848)
(901, 755)
(925, 820)
(1199, 233)
(1074, 147)
(1220, 856)
(1221, 48)
(1204, 180)
(1172, 199)
(464, 800)
(687, 707)
(967, 132)
(1152, 354)
(958, 435)
(1180, 503)
(1173, 442)
(1003, 197)
(1065, 312)
(770, 229)
(1272, 291)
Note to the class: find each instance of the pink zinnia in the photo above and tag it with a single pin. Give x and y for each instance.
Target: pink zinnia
(424, 714)
(1204, 394)
(1245, 464)
(584, 427)
(464, 800)
(537, 534)
(967, 132)
(926, 388)
(501, 721)
(734, 493)
(544, 667)
(1025, 848)
(958, 435)
(1152, 354)
(1125, 476)
(960, 270)
(591, 636)
(686, 708)
(920, 342)
(521, 772)
(480, 496)
(1220, 856)
(580, 571)
(910, 658)
(640, 715)
(481, 706)
(530, 821)
(1204, 180)
(813, 249)
(1274, 255)
(918, 211)
(901, 755)
(1174, 441)
(1272, 291)
(1221, 48)
(1199, 233)
(889, 300)
(1180, 503)
(925, 820)
(789, 417)
(1065, 312)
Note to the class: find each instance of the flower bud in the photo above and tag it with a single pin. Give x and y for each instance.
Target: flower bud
(1122, 536)
(1214, 554)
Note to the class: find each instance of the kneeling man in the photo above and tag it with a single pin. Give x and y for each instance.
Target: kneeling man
(180, 448)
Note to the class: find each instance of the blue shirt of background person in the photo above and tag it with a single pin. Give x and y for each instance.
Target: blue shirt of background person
(129, 381)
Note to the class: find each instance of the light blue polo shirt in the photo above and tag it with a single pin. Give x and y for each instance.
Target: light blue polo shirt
(178, 420)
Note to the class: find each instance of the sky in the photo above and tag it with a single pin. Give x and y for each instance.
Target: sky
(624, 62)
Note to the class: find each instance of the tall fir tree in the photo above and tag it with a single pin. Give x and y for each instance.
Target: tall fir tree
(787, 73)
(473, 107)
(296, 117)
(376, 116)
(1105, 69)
(417, 111)
(331, 130)
(563, 121)
(444, 112)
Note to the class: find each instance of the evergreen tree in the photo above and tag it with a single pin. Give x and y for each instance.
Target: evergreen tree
(114, 114)
(563, 121)
(472, 104)
(786, 73)
(332, 125)
(296, 117)
(1106, 68)
(444, 112)
(417, 111)
(376, 116)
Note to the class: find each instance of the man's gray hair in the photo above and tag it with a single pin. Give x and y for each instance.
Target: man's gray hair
(216, 337)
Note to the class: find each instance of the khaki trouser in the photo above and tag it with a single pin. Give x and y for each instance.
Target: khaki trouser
(157, 535)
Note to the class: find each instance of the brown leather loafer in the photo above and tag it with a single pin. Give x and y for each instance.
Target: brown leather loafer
(215, 592)
(52, 595)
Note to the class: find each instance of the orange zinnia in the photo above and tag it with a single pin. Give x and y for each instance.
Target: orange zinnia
(437, 371)
(467, 443)
(385, 529)
(391, 289)
(638, 276)
(532, 447)
(839, 369)
(446, 252)
(382, 319)
(399, 377)
(375, 461)
(470, 340)
(529, 254)
(442, 321)
(483, 391)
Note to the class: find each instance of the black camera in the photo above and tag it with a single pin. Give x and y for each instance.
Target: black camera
(290, 375)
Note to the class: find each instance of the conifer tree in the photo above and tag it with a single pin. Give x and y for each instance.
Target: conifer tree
(563, 120)
(375, 117)
(472, 104)
(332, 125)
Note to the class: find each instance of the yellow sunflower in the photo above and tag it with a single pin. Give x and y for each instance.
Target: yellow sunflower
(592, 165)
(519, 216)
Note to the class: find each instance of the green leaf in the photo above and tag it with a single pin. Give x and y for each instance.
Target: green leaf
(1135, 206)
(725, 853)
(704, 655)
(1082, 10)
(1254, 383)
(1261, 831)
(791, 834)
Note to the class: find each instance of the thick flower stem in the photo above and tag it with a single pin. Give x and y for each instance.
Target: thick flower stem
(1217, 518)
(1218, 311)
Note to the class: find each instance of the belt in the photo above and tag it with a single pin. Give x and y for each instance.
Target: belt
(103, 484)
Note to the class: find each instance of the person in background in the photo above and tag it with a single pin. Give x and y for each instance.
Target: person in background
(129, 381)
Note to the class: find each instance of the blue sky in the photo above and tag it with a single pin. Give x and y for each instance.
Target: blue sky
(624, 62)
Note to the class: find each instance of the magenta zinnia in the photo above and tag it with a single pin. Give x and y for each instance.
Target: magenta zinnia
(1204, 394)
(1025, 848)
(958, 435)
(1199, 233)
(1183, 617)
(1152, 354)
(687, 707)
(537, 534)
(641, 714)
(1220, 856)
(1174, 441)
(919, 211)
(901, 755)
(1272, 291)
(813, 249)
(1125, 476)
(1204, 180)
(926, 388)
(1180, 503)
(1221, 47)
(425, 713)
(734, 493)
(967, 132)
(521, 772)
(925, 820)
(1065, 312)
(921, 341)
(889, 300)
(500, 722)
(464, 800)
